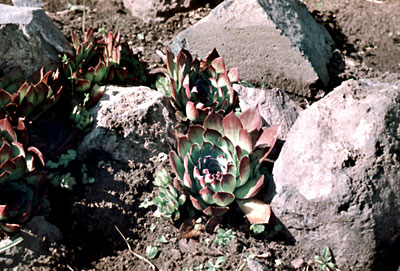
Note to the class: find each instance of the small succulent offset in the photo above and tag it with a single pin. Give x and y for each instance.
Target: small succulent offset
(224, 237)
(81, 118)
(168, 200)
(21, 186)
(221, 162)
(198, 86)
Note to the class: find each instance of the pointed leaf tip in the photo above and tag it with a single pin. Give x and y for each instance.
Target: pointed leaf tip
(256, 211)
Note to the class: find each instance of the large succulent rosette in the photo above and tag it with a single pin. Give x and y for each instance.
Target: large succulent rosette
(198, 86)
(220, 162)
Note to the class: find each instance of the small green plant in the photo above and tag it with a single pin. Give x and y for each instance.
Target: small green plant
(223, 237)
(63, 161)
(257, 228)
(162, 239)
(217, 265)
(81, 118)
(66, 180)
(85, 178)
(168, 200)
(325, 260)
(151, 252)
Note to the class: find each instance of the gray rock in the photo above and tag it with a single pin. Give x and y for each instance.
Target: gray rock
(28, 3)
(158, 10)
(40, 239)
(337, 176)
(281, 44)
(275, 106)
(28, 38)
(254, 265)
(132, 124)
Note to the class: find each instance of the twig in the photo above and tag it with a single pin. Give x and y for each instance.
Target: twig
(135, 254)
(70, 268)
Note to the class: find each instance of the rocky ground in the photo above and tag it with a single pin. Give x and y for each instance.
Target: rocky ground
(367, 36)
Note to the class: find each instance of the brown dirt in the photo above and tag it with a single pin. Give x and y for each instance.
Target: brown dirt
(367, 35)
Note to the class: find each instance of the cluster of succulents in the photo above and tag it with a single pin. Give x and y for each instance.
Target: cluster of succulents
(21, 185)
(95, 62)
(197, 87)
(98, 61)
(220, 162)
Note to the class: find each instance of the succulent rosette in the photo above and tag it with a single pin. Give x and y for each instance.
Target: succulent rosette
(220, 162)
(30, 99)
(198, 86)
(15, 159)
(21, 190)
(20, 200)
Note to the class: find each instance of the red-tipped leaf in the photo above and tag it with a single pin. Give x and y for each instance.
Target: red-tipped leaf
(256, 211)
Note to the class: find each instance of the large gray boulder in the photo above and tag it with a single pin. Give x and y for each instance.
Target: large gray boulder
(159, 10)
(337, 176)
(28, 38)
(132, 124)
(275, 106)
(272, 41)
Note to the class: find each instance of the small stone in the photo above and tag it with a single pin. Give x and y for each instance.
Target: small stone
(254, 265)
(297, 263)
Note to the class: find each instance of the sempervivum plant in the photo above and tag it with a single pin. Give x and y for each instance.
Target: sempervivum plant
(220, 162)
(20, 200)
(98, 61)
(198, 86)
(15, 159)
(20, 184)
(30, 99)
